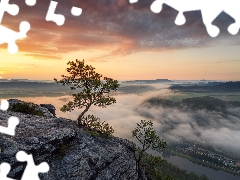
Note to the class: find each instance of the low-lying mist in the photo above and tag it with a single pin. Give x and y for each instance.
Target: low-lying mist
(218, 130)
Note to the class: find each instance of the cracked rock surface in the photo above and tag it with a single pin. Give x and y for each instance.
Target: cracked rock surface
(71, 153)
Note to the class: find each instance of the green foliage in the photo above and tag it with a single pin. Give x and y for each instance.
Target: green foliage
(148, 163)
(158, 169)
(148, 138)
(93, 133)
(95, 127)
(27, 108)
(94, 88)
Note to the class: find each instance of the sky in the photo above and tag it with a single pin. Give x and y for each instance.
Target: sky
(121, 40)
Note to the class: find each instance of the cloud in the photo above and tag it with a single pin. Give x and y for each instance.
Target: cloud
(115, 26)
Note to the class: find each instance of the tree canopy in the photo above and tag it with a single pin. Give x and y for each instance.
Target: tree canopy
(148, 138)
(94, 88)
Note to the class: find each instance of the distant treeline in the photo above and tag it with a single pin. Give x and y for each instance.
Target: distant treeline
(195, 103)
(222, 87)
(30, 85)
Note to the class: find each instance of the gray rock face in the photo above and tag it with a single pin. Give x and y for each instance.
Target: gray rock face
(71, 153)
(50, 108)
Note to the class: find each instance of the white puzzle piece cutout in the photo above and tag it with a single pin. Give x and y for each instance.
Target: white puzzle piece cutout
(31, 171)
(7, 35)
(30, 2)
(4, 170)
(76, 11)
(12, 123)
(12, 9)
(4, 105)
(10, 37)
(209, 9)
(59, 19)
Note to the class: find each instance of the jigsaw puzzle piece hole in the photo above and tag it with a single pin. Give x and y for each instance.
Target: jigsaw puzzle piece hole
(24, 27)
(4, 105)
(4, 169)
(22, 156)
(213, 31)
(76, 11)
(51, 16)
(156, 6)
(208, 16)
(233, 29)
(30, 2)
(44, 167)
(180, 19)
(133, 1)
(12, 48)
(13, 9)
(13, 122)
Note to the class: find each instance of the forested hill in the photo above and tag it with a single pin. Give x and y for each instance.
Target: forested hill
(195, 103)
(222, 87)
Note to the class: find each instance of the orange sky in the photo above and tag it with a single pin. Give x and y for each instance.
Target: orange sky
(122, 41)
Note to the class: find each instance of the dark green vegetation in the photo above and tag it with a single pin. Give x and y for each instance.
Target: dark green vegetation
(94, 88)
(204, 114)
(96, 127)
(195, 103)
(27, 108)
(222, 87)
(159, 169)
(148, 138)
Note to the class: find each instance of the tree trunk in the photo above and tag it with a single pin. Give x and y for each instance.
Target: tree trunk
(81, 115)
(138, 164)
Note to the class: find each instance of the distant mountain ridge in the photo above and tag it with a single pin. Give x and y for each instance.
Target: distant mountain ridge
(219, 87)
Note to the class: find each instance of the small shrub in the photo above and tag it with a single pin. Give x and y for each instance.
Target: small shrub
(95, 126)
(26, 108)
(93, 133)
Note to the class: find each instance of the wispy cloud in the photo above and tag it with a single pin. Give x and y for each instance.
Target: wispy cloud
(115, 26)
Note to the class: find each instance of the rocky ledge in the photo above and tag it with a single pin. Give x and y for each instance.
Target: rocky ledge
(72, 153)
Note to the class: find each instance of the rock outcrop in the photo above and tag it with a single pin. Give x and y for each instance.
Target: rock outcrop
(48, 110)
(71, 153)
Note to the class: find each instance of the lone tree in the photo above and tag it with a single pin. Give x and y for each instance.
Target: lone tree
(94, 88)
(148, 138)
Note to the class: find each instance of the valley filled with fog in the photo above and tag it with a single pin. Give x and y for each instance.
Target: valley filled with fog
(214, 123)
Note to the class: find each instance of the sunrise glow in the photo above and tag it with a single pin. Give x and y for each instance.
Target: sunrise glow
(122, 41)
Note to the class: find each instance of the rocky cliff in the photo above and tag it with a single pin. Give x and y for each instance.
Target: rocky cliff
(71, 153)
